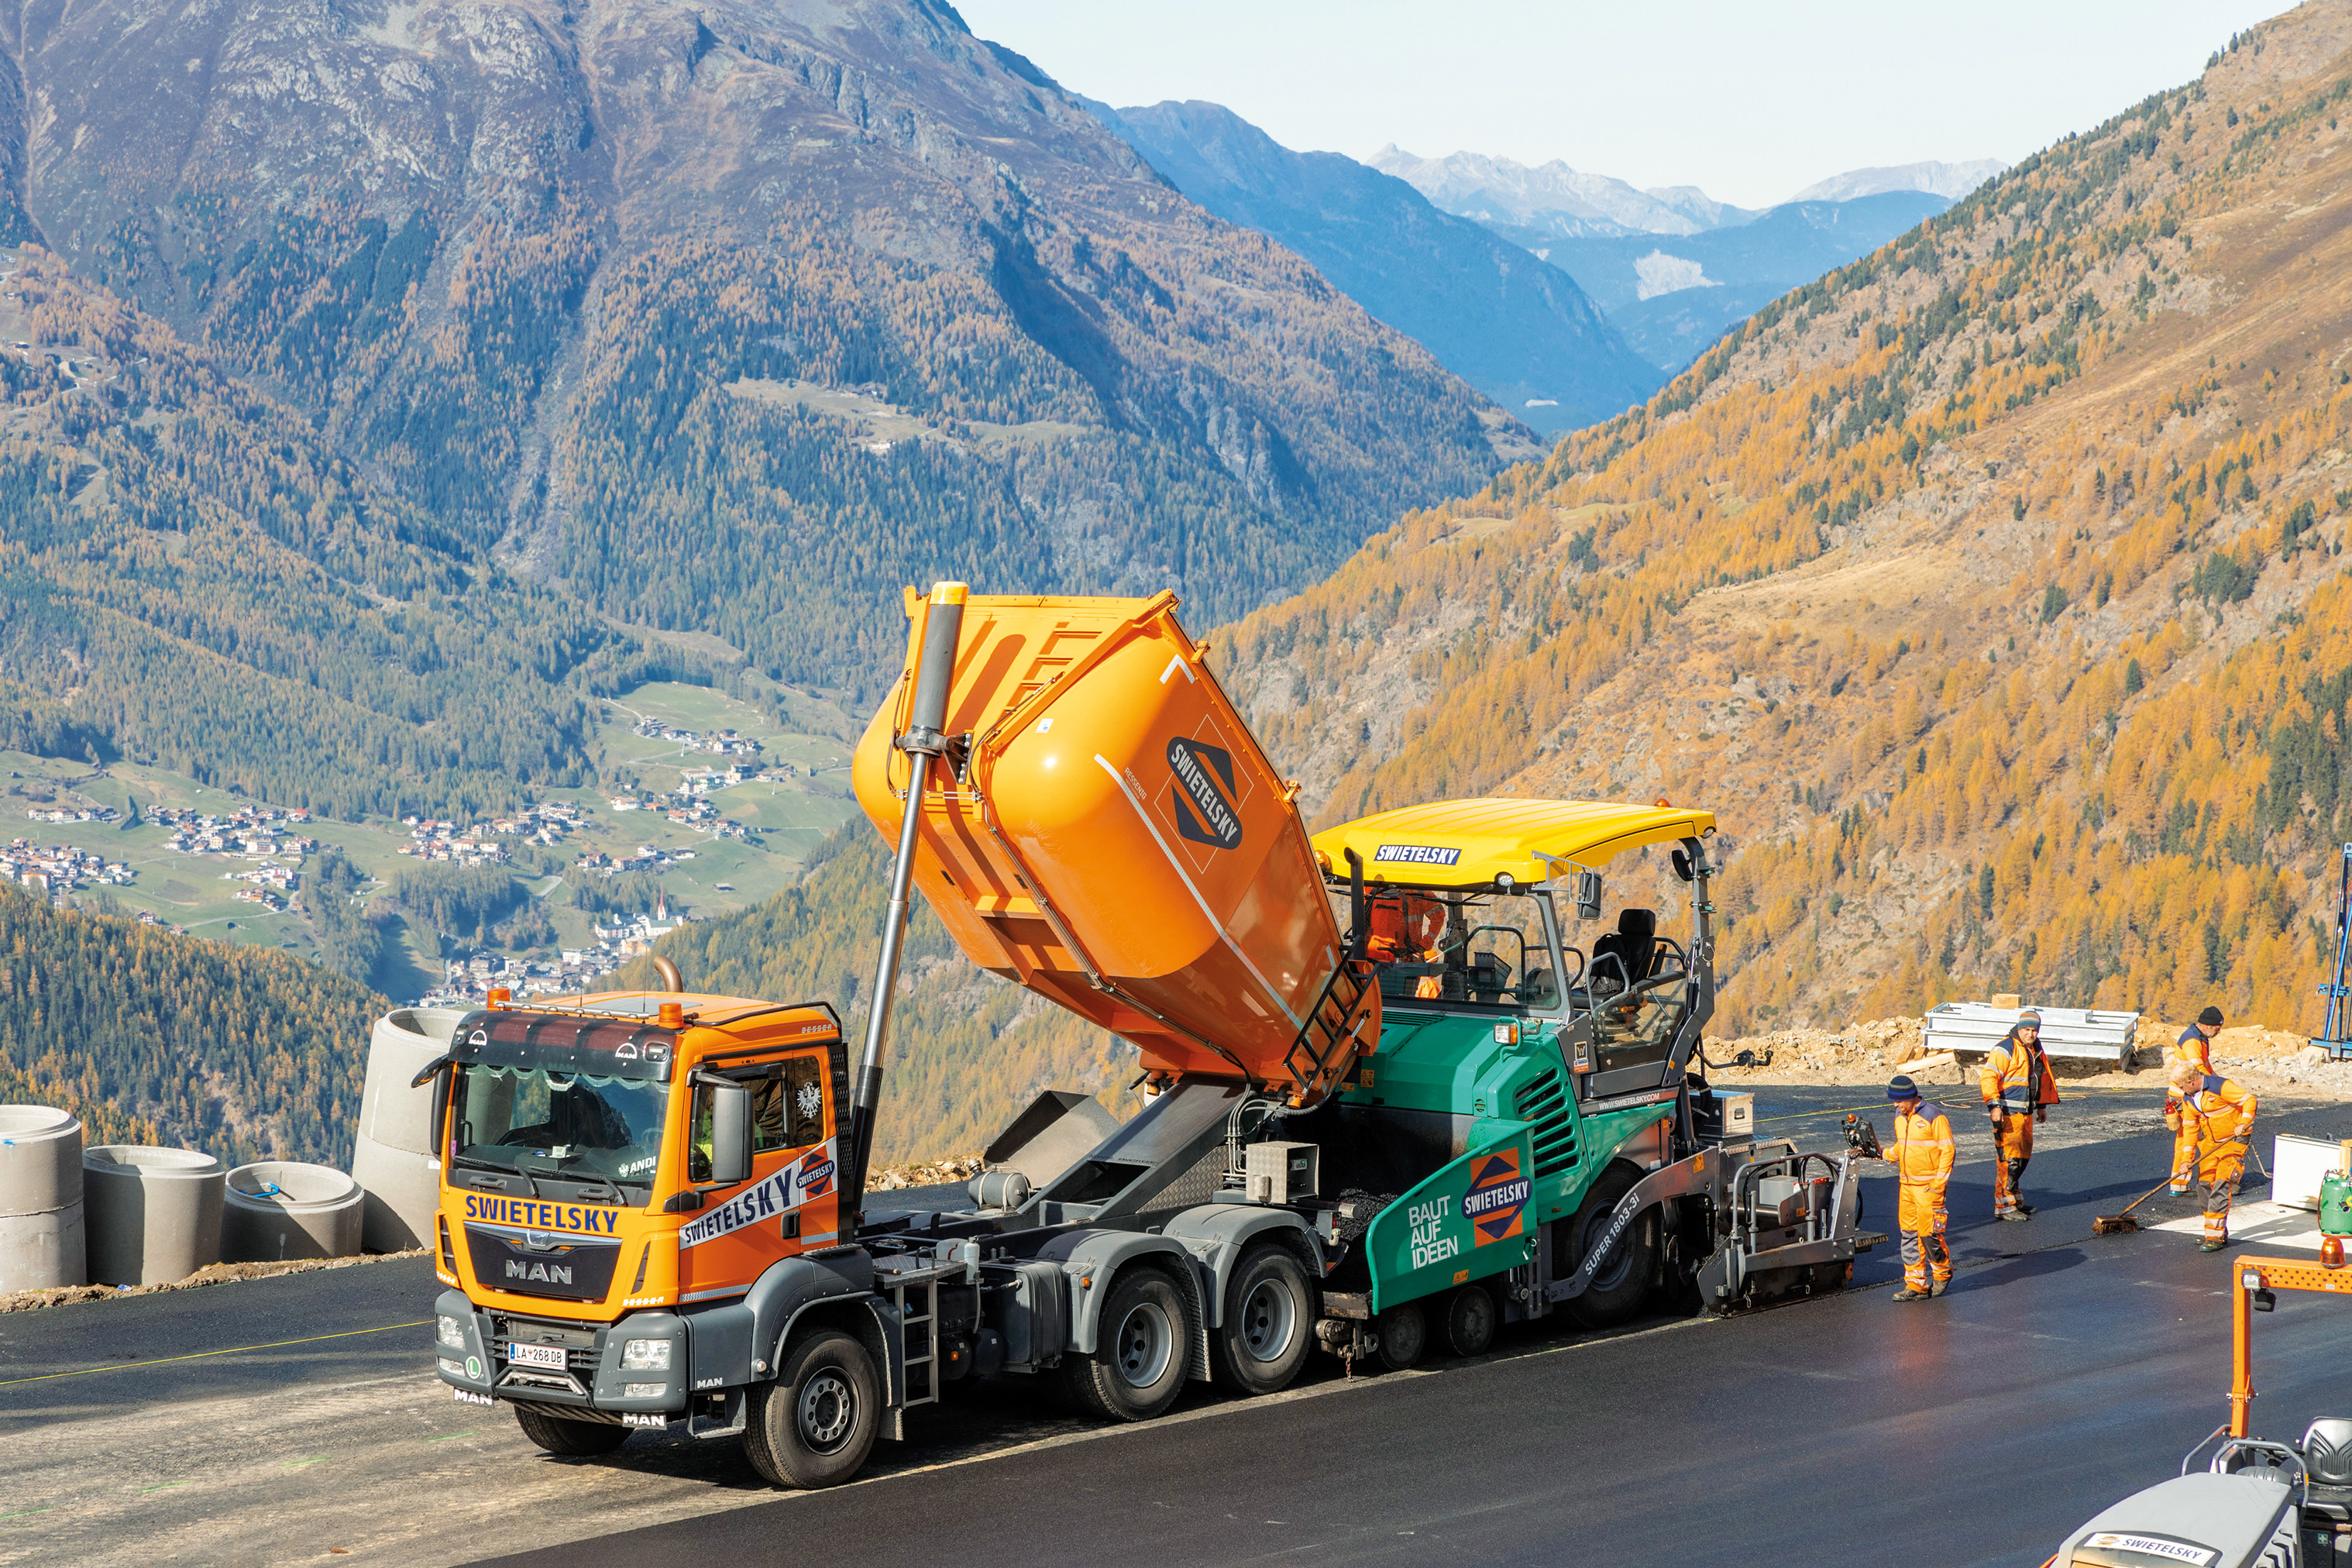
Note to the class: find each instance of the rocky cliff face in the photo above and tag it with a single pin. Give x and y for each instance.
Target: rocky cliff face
(603, 286)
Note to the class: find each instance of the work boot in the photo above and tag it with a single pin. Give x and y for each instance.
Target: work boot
(2011, 1214)
(2025, 1209)
(2211, 1246)
(1908, 1294)
(1940, 1287)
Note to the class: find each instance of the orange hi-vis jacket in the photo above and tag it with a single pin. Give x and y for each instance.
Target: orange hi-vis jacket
(2016, 1080)
(2193, 1047)
(1923, 1146)
(2224, 1113)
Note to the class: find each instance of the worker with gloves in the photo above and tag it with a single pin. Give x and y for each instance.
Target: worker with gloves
(2019, 1090)
(2223, 1115)
(2195, 1045)
(1922, 1156)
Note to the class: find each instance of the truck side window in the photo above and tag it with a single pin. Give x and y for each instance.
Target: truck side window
(787, 1112)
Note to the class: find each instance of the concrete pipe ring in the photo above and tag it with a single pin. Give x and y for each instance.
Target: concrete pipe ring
(275, 1210)
(41, 1225)
(153, 1215)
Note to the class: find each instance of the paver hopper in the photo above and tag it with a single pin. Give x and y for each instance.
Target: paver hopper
(1104, 831)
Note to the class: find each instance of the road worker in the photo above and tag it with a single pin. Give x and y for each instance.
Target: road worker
(2195, 1045)
(2223, 1115)
(2019, 1090)
(1921, 1151)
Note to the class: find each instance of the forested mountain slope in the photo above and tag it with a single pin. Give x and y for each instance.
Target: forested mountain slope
(1513, 325)
(733, 318)
(1992, 589)
(243, 1052)
(190, 576)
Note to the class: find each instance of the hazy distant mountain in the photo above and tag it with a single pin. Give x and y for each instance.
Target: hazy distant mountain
(1554, 198)
(1672, 267)
(1950, 181)
(1515, 327)
(1671, 295)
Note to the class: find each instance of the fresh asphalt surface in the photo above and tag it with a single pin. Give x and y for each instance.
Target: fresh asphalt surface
(2062, 1372)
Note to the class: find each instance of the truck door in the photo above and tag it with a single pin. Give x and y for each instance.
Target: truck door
(791, 1201)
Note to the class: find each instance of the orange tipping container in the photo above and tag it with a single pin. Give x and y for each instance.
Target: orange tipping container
(1113, 838)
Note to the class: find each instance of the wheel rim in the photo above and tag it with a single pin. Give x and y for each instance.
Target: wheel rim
(1474, 1321)
(1143, 1345)
(1269, 1321)
(828, 1411)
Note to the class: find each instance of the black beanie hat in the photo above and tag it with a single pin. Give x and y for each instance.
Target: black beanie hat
(2211, 1015)
(1902, 1088)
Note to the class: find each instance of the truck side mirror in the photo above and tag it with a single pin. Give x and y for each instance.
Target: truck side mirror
(1681, 860)
(1588, 895)
(730, 1134)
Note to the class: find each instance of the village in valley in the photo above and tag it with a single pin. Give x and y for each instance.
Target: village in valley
(707, 804)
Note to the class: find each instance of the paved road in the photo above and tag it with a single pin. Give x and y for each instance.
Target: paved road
(2062, 1372)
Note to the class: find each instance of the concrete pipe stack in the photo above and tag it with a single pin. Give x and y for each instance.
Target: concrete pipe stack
(281, 1209)
(393, 1158)
(153, 1214)
(41, 1244)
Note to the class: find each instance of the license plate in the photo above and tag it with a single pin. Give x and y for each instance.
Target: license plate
(549, 1356)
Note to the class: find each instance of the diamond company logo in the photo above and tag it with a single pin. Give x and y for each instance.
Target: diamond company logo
(1211, 818)
(1496, 1204)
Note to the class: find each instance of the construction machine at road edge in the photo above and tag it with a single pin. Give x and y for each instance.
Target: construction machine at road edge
(1391, 1099)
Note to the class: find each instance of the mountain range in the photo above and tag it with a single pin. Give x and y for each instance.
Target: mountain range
(1509, 323)
(1672, 269)
(628, 305)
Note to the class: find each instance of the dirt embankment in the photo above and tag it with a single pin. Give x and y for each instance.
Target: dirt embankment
(1873, 1052)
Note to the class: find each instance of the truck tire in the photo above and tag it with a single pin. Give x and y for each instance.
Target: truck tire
(1404, 1334)
(1621, 1284)
(1142, 1350)
(1470, 1321)
(1269, 1323)
(815, 1425)
(578, 1439)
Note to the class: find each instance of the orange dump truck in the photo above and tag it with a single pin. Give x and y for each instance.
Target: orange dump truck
(1392, 1101)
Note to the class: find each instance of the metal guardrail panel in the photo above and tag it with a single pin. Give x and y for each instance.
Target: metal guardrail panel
(2085, 1032)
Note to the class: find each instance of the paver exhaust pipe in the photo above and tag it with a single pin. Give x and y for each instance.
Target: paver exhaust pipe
(924, 741)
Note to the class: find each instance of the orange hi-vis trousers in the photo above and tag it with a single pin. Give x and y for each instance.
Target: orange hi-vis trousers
(2013, 1145)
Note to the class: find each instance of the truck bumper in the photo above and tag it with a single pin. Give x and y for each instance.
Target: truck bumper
(633, 1371)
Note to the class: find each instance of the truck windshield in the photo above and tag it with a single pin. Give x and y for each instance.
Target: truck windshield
(1460, 950)
(569, 1126)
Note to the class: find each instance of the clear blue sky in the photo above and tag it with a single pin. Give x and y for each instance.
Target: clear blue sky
(1749, 100)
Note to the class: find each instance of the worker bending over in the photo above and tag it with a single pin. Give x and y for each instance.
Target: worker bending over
(2196, 1045)
(2018, 1089)
(2223, 1115)
(1922, 1154)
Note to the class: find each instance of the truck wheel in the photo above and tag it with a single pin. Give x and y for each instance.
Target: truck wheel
(1404, 1334)
(815, 1425)
(577, 1439)
(1142, 1350)
(1470, 1321)
(1270, 1322)
(1621, 1283)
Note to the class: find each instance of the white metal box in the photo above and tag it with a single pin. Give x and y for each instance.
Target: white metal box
(2297, 1164)
(1290, 1171)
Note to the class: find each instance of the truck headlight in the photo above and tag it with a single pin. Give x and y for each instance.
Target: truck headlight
(451, 1368)
(646, 1355)
(452, 1332)
(644, 1390)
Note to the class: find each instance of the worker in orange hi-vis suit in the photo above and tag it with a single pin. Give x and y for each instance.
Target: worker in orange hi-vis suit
(1922, 1154)
(2223, 1114)
(2195, 1045)
(2019, 1090)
